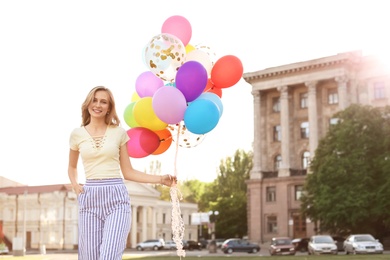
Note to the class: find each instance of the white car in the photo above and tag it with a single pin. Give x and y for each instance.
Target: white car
(362, 244)
(322, 244)
(170, 245)
(153, 244)
(3, 249)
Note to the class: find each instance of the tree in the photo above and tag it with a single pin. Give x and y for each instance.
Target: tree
(227, 195)
(348, 188)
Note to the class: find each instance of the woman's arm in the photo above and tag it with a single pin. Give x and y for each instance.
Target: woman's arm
(72, 171)
(131, 174)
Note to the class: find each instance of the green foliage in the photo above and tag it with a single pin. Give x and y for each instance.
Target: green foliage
(348, 189)
(227, 195)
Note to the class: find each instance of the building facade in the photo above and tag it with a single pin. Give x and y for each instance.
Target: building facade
(48, 215)
(294, 106)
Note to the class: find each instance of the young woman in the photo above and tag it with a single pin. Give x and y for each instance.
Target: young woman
(104, 203)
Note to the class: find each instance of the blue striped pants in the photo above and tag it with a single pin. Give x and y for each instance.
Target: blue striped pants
(104, 219)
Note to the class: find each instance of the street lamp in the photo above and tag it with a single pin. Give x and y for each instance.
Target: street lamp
(213, 215)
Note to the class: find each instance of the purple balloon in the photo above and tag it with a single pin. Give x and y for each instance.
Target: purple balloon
(169, 104)
(191, 79)
(147, 84)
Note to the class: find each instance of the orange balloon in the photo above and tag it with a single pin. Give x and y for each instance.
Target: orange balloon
(227, 71)
(209, 85)
(216, 91)
(165, 141)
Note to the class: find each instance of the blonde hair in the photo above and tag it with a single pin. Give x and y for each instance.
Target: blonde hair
(111, 117)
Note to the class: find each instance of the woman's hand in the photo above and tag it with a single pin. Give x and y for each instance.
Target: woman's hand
(77, 188)
(168, 180)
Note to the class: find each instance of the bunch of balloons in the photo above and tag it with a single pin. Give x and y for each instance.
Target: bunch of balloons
(179, 93)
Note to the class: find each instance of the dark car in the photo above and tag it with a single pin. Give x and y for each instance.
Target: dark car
(203, 242)
(281, 246)
(239, 245)
(300, 244)
(339, 242)
(191, 245)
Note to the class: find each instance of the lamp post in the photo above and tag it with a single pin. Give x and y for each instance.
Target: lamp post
(213, 215)
(213, 218)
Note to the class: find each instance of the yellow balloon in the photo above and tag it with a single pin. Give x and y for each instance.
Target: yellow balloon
(189, 48)
(135, 97)
(145, 116)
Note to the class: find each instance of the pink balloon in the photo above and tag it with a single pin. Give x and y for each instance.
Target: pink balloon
(147, 83)
(142, 143)
(178, 26)
(169, 104)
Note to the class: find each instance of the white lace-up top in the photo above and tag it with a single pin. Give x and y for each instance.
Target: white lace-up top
(100, 154)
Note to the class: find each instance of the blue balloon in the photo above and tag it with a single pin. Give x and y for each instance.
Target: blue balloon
(201, 116)
(213, 97)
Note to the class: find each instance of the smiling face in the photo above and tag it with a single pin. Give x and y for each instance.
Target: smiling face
(100, 105)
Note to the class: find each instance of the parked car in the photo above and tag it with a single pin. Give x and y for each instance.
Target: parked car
(219, 242)
(322, 244)
(191, 245)
(239, 245)
(153, 244)
(281, 246)
(3, 249)
(170, 245)
(300, 244)
(204, 242)
(362, 244)
(339, 242)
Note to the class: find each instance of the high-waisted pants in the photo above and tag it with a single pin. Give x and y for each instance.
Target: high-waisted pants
(104, 219)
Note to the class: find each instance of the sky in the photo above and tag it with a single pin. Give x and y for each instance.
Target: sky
(53, 52)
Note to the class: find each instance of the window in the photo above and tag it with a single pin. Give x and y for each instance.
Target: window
(271, 194)
(304, 130)
(276, 104)
(164, 218)
(333, 96)
(272, 224)
(305, 159)
(333, 121)
(277, 162)
(277, 133)
(379, 90)
(298, 191)
(303, 100)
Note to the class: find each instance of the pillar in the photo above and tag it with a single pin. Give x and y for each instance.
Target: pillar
(133, 231)
(285, 126)
(342, 90)
(313, 116)
(256, 170)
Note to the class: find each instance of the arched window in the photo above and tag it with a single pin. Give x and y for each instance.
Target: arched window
(277, 162)
(305, 159)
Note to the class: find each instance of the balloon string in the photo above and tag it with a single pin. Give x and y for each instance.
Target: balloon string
(177, 221)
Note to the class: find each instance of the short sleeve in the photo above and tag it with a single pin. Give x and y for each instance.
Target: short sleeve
(74, 140)
(124, 137)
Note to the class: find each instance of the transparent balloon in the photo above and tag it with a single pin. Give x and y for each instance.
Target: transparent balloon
(164, 55)
(183, 137)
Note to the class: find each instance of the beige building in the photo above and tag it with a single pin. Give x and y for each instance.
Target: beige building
(294, 105)
(48, 215)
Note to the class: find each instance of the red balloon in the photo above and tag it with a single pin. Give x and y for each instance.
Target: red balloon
(208, 86)
(142, 143)
(165, 137)
(226, 71)
(216, 91)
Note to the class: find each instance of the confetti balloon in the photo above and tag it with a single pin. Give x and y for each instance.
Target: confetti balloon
(164, 55)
